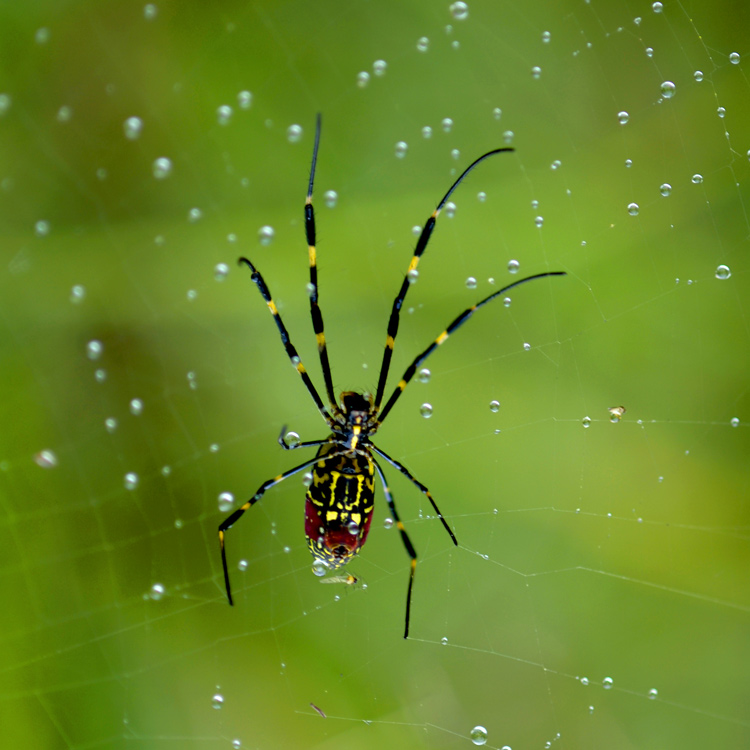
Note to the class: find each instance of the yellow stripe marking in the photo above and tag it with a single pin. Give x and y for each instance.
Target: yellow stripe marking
(414, 263)
(442, 337)
(311, 250)
(300, 368)
(272, 307)
(401, 385)
(389, 342)
(332, 515)
(321, 339)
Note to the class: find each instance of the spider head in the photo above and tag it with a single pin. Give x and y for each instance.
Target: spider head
(356, 406)
(336, 539)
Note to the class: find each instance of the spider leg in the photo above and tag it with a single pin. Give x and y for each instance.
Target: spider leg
(419, 486)
(405, 539)
(315, 313)
(443, 337)
(291, 352)
(228, 522)
(305, 444)
(424, 238)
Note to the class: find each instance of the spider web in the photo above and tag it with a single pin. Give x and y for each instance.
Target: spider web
(598, 595)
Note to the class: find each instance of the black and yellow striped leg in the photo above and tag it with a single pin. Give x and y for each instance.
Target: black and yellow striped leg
(291, 352)
(407, 544)
(443, 337)
(315, 313)
(424, 238)
(418, 485)
(228, 522)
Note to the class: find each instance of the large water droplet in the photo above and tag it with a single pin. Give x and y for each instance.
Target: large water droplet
(265, 235)
(294, 133)
(459, 11)
(478, 735)
(162, 168)
(426, 410)
(723, 272)
(668, 89)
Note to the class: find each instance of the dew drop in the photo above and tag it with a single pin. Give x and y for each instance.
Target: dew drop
(723, 272)
(94, 349)
(653, 694)
(497, 113)
(696, 179)
(667, 89)
(513, 266)
(5, 102)
(633, 209)
(110, 423)
(150, 11)
(538, 222)
(130, 481)
(224, 114)
(307, 478)
(536, 72)
(244, 100)
(400, 149)
(195, 214)
(292, 439)
(507, 301)
(41, 228)
(77, 294)
(450, 209)
(478, 735)
(586, 422)
(494, 406)
(217, 701)
(455, 154)
(46, 459)
(133, 127)
(221, 271)
(444, 640)
(161, 168)
(64, 113)
(446, 124)
(412, 274)
(426, 132)
(388, 523)
(363, 79)
(508, 136)
(527, 347)
(546, 36)
(735, 421)
(136, 407)
(265, 235)
(379, 67)
(353, 528)
(236, 744)
(623, 117)
(459, 11)
(226, 501)
(607, 683)
(657, 7)
(156, 592)
(424, 375)
(426, 410)
(734, 58)
(242, 566)
(721, 111)
(665, 189)
(584, 681)
(294, 133)
(319, 568)
(481, 196)
(330, 197)
(471, 283)
(423, 44)
(628, 163)
(698, 75)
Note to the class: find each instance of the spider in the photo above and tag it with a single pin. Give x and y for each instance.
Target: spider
(340, 498)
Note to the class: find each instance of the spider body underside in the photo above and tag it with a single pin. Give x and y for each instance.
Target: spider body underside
(340, 498)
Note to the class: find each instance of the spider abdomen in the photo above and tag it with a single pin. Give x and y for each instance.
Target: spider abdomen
(338, 505)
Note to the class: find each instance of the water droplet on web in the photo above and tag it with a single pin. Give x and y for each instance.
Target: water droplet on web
(649, 51)
(136, 406)
(110, 423)
(244, 99)
(444, 640)
(310, 288)
(226, 501)
(133, 127)
(242, 565)
(192, 294)
(379, 67)
(195, 214)
(657, 7)
(536, 72)
(734, 58)
(455, 154)
(623, 117)
(423, 376)
(330, 198)
(653, 694)
(478, 735)
(217, 701)
(94, 349)
(508, 136)
(353, 528)
(265, 235)
(513, 266)
(497, 113)
(150, 11)
(64, 113)
(584, 680)
(292, 439)
(607, 683)
(412, 274)
(723, 272)
(446, 124)
(221, 271)
(735, 421)
(162, 168)
(319, 568)
(423, 44)
(77, 294)
(697, 179)
(388, 523)
(400, 149)
(481, 196)
(471, 283)
(633, 209)
(166, 471)
(721, 111)
(539, 221)
(157, 592)
(224, 114)
(586, 421)
(46, 459)
(450, 209)
(698, 75)
(494, 406)
(426, 132)
(668, 89)
(628, 163)
(236, 744)
(307, 478)
(363, 78)
(426, 410)
(130, 481)
(507, 301)
(459, 11)
(416, 230)
(665, 189)
(294, 133)
(41, 228)
(526, 346)
(546, 36)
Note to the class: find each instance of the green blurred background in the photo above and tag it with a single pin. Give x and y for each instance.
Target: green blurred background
(610, 551)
